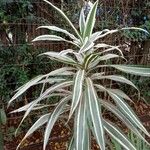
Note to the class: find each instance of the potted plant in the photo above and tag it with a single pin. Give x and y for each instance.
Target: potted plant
(79, 89)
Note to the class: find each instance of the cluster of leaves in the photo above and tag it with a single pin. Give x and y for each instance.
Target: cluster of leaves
(79, 89)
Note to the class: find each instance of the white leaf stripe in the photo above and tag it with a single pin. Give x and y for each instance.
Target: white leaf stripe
(54, 28)
(108, 56)
(123, 118)
(127, 111)
(26, 86)
(116, 91)
(95, 113)
(77, 90)
(82, 21)
(110, 48)
(48, 37)
(118, 78)
(37, 80)
(59, 56)
(135, 28)
(118, 136)
(81, 128)
(65, 17)
(133, 70)
(54, 116)
(90, 21)
(41, 121)
(48, 91)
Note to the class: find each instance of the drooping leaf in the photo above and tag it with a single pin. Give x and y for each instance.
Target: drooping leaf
(53, 118)
(120, 93)
(118, 78)
(65, 17)
(37, 80)
(60, 57)
(52, 38)
(123, 118)
(118, 136)
(41, 121)
(25, 87)
(133, 70)
(125, 108)
(135, 28)
(43, 96)
(100, 34)
(108, 56)
(54, 28)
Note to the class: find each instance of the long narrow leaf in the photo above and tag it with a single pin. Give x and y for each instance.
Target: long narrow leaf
(58, 56)
(133, 70)
(25, 87)
(53, 118)
(48, 37)
(118, 136)
(43, 96)
(65, 17)
(123, 118)
(125, 108)
(82, 21)
(41, 121)
(118, 79)
(90, 21)
(54, 28)
(95, 113)
(77, 91)
(80, 126)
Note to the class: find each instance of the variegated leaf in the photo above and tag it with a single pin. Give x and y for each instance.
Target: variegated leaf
(77, 91)
(90, 21)
(80, 126)
(118, 78)
(54, 28)
(95, 113)
(125, 108)
(43, 96)
(53, 118)
(133, 70)
(82, 21)
(65, 17)
(60, 57)
(123, 118)
(118, 136)
(41, 121)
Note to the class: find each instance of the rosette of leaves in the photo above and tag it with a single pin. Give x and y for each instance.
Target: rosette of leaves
(77, 86)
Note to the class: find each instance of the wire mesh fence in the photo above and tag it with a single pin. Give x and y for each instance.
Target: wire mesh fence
(18, 54)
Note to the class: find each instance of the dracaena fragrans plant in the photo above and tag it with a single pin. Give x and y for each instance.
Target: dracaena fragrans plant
(79, 90)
